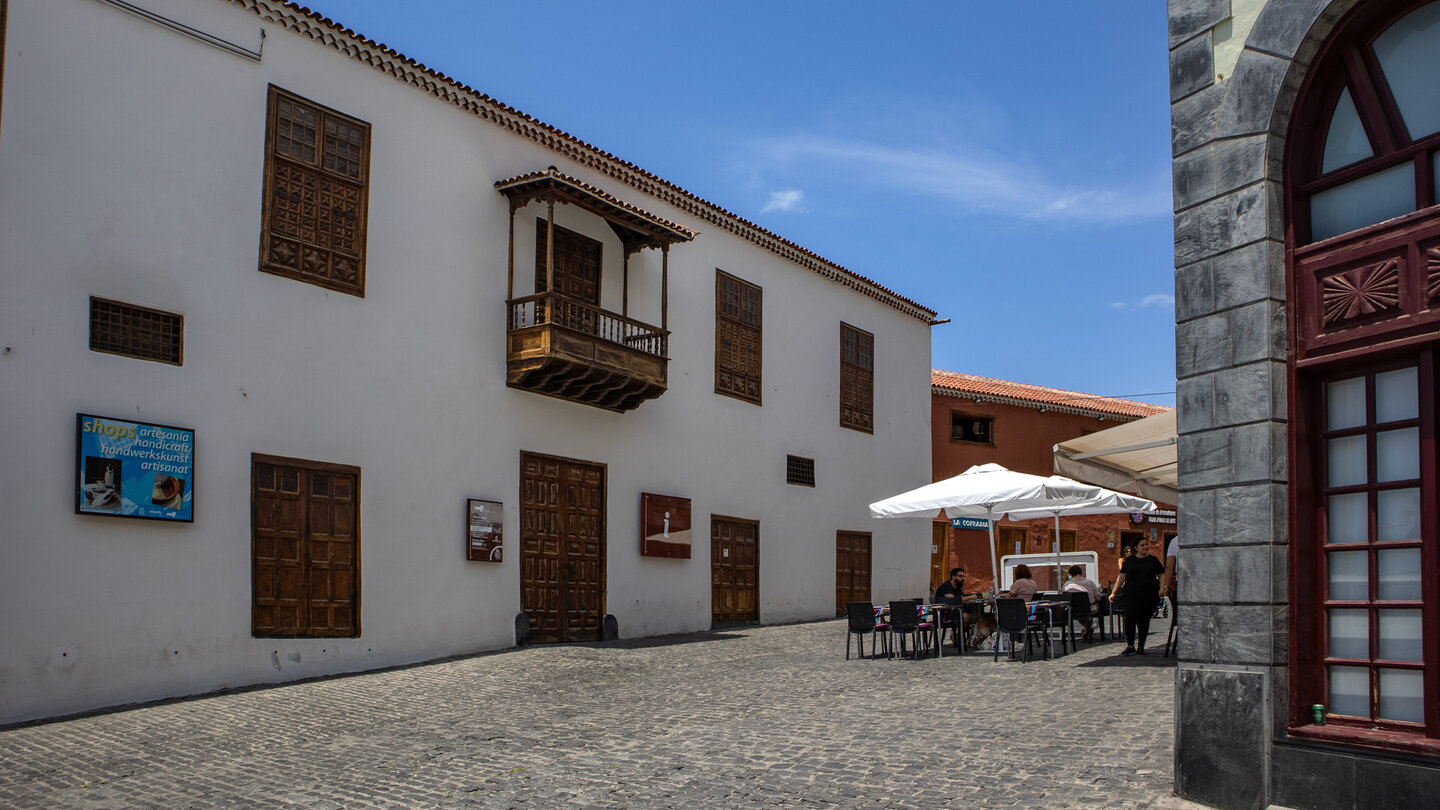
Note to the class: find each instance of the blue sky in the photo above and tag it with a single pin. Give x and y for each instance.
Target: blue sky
(1004, 163)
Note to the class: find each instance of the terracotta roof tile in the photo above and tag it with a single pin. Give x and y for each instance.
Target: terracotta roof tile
(951, 383)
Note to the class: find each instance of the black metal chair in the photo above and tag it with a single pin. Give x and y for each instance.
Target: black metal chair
(863, 623)
(1080, 612)
(905, 621)
(1053, 616)
(1172, 639)
(953, 621)
(1012, 620)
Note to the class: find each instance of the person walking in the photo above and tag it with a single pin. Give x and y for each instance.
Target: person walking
(1140, 580)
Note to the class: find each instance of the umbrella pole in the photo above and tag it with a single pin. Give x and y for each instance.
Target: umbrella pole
(1058, 564)
(994, 560)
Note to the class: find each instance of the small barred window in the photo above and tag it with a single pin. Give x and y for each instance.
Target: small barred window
(800, 471)
(125, 329)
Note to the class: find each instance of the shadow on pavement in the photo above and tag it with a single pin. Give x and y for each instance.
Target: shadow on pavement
(1151, 660)
(661, 641)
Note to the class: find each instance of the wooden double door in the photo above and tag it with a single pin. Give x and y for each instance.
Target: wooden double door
(852, 569)
(734, 570)
(562, 548)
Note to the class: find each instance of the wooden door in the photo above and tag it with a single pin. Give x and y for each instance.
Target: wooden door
(577, 264)
(305, 548)
(734, 570)
(852, 569)
(1012, 540)
(939, 554)
(562, 548)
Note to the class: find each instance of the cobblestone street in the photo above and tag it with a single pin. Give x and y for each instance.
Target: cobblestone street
(759, 717)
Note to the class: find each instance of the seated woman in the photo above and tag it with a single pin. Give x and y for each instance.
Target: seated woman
(1023, 587)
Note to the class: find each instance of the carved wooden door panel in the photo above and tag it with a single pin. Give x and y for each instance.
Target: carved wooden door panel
(584, 544)
(562, 548)
(734, 570)
(577, 275)
(852, 569)
(305, 548)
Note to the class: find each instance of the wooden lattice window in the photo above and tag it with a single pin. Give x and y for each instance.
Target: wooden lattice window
(305, 548)
(857, 379)
(800, 471)
(737, 337)
(316, 175)
(148, 334)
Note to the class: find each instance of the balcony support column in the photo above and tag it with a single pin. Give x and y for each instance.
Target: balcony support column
(550, 246)
(510, 268)
(625, 286)
(664, 288)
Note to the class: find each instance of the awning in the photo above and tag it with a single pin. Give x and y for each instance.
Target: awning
(1137, 457)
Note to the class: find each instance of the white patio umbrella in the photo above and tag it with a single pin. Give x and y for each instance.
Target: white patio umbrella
(1108, 503)
(989, 491)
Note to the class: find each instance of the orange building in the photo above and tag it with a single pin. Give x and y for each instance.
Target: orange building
(979, 420)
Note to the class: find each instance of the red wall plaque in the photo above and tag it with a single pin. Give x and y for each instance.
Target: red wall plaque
(664, 526)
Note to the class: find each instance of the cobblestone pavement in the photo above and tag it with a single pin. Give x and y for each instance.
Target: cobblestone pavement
(759, 717)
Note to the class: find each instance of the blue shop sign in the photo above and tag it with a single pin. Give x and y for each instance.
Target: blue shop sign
(970, 523)
(134, 469)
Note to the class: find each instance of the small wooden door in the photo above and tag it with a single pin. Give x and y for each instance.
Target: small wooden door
(562, 548)
(305, 548)
(939, 554)
(734, 570)
(852, 569)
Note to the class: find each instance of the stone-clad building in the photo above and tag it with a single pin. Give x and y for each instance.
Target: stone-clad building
(1307, 254)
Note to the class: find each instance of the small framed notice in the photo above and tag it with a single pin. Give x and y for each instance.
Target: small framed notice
(664, 526)
(484, 522)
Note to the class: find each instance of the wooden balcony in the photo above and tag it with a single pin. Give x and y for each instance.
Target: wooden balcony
(561, 347)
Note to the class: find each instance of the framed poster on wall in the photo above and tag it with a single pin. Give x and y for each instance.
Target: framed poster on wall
(484, 526)
(134, 469)
(664, 526)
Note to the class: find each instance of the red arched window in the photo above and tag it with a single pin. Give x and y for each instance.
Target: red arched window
(1362, 170)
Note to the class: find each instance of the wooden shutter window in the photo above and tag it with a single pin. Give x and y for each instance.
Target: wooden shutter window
(316, 174)
(140, 332)
(737, 338)
(857, 379)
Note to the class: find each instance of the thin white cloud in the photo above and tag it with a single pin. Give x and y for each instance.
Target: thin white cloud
(973, 181)
(1156, 300)
(787, 200)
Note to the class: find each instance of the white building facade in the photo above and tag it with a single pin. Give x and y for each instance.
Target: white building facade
(292, 250)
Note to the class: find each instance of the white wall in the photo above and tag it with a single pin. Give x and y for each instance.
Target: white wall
(131, 163)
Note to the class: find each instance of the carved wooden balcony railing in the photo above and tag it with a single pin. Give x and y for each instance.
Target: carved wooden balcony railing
(565, 348)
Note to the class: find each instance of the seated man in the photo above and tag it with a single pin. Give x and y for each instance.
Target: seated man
(1079, 582)
(953, 590)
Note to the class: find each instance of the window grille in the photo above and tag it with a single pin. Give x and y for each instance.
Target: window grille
(141, 332)
(800, 471)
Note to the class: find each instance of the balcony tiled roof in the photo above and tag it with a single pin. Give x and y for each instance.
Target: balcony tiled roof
(302, 20)
(554, 175)
(1004, 392)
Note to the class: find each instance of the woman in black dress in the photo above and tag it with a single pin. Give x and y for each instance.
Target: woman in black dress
(1140, 577)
